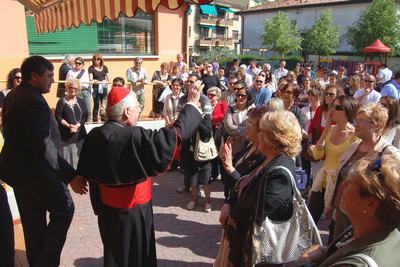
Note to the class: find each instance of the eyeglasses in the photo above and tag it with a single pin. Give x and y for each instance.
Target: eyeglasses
(17, 78)
(78, 63)
(190, 82)
(375, 166)
(338, 107)
(211, 95)
(259, 81)
(241, 95)
(369, 81)
(330, 94)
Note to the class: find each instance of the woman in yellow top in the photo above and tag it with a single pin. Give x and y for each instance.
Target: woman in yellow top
(333, 142)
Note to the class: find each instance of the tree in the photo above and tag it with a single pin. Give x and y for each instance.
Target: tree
(323, 37)
(280, 36)
(379, 20)
(223, 54)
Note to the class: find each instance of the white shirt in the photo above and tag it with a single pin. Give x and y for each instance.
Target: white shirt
(309, 115)
(384, 75)
(372, 97)
(280, 73)
(72, 74)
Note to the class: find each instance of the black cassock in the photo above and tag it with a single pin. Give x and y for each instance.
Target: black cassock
(121, 158)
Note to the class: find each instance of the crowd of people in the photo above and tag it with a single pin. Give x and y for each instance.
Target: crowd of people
(341, 127)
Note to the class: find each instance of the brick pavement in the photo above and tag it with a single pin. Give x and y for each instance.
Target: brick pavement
(183, 238)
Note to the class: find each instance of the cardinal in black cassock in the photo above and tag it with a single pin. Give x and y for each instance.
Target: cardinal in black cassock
(119, 160)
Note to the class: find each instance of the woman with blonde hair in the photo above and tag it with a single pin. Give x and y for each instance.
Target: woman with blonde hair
(371, 200)
(71, 115)
(370, 121)
(279, 137)
(353, 85)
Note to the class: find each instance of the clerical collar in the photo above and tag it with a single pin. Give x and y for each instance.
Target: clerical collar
(117, 123)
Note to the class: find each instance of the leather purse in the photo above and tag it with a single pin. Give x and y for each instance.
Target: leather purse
(205, 151)
(278, 242)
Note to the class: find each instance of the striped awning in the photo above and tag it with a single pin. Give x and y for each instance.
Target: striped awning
(51, 15)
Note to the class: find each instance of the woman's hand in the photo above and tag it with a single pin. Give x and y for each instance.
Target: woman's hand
(225, 210)
(315, 253)
(226, 152)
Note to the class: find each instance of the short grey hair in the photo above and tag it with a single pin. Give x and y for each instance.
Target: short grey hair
(216, 90)
(67, 58)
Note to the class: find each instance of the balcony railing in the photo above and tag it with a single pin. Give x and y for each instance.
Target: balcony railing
(214, 42)
(225, 22)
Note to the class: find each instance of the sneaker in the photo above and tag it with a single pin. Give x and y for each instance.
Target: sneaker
(207, 207)
(182, 189)
(200, 192)
(190, 205)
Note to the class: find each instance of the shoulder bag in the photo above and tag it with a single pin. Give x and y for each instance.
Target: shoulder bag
(205, 151)
(279, 242)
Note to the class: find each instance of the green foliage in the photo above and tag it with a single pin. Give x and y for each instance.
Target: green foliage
(379, 20)
(280, 36)
(221, 54)
(323, 37)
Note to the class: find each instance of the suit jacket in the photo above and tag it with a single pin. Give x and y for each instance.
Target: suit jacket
(30, 158)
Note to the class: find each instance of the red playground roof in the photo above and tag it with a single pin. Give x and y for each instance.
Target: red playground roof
(377, 47)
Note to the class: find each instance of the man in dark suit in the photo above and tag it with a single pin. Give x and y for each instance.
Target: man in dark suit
(30, 163)
(67, 65)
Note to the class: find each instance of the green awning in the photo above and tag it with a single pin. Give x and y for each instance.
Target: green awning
(226, 9)
(211, 27)
(208, 10)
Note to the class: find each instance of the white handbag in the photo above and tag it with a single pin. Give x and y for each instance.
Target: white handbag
(278, 242)
(205, 151)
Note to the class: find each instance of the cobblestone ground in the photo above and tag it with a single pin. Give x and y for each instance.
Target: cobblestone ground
(183, 238)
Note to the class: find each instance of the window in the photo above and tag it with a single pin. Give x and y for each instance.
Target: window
(235, 16)
(120, 37)
(190, 31)
(127, 35)
(235, 35)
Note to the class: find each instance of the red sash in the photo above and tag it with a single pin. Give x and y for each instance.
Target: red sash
(126, 196)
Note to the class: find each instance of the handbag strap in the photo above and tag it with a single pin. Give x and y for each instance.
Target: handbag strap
(370, 261)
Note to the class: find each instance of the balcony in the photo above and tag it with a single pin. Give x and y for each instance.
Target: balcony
(225, 22)
(207, 20)
(214, 41)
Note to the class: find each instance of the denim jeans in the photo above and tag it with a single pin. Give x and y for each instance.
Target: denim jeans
(87, 98)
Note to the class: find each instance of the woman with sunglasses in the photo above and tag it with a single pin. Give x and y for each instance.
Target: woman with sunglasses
(98, 73)
(391, 133)
(334, 141)
(14, 78)
(289, 94)
(370, 122)
(71, 116)
(371, 200)
(367, 94)
(236, 115)
(352, 85)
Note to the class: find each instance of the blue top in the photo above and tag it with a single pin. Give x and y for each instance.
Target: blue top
(390, 90)
(262, 97)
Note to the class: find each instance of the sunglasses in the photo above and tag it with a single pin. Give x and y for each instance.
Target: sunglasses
(259, 81)
(241, 95)
(369, 81)
(238, 88)
(308, 69)
(190, 82)
(287, 92)
(338, 107)
(78, 63)
(98, 59)
(17, 78)
(73, 88)
(211, 95)
(330, 94)
(375, 166)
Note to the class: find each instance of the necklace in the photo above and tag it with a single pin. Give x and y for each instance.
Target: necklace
(72, 106)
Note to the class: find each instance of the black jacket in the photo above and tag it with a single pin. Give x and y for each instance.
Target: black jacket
(30, 155)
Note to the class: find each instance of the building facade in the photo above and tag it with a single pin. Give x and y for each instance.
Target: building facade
(303, 13)
(214, 25)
